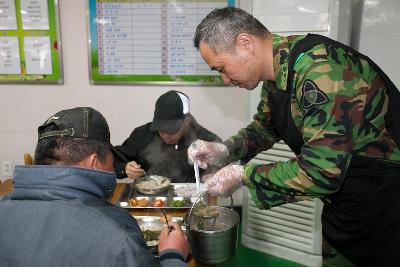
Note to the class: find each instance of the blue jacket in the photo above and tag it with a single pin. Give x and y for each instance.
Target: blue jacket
(58, 216)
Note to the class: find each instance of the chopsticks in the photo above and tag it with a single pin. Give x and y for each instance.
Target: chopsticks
(170, 227)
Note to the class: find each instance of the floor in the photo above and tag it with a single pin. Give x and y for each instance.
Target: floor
(245, 257)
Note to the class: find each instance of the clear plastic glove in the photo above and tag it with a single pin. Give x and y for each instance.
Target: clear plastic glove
(205, 177)
(225, 181)
(207, 153)
(133, 170)
(173, 239)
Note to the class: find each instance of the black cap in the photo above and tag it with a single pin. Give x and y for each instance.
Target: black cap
(80, 122)
(170, 112)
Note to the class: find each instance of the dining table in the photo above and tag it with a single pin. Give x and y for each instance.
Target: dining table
(139, 212)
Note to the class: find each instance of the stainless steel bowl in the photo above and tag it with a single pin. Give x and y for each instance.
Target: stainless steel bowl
(152, 184)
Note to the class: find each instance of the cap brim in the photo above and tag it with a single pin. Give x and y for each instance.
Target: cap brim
(167, 126)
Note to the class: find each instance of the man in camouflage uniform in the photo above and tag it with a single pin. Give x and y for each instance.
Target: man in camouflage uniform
(330, 104)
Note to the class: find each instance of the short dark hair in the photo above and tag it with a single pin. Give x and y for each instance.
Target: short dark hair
(221, 27)
(69, 151)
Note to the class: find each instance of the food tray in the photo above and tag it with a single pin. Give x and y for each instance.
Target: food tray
(182, 193)
(145, 219)
(159, 219)
(147, 222)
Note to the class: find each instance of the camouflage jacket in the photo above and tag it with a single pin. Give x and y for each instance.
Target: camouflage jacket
(353, 99)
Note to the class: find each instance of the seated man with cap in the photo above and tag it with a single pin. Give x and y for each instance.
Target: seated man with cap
(58, 215)
(160, 147)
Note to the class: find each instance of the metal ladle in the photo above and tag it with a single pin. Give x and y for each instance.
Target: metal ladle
(209, 220)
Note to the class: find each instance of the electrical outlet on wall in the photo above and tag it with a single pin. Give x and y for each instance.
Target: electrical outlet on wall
(7, 169)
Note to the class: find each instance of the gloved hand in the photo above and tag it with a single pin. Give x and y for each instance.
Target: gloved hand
(205, 177)
(225, 181)
(207, 153)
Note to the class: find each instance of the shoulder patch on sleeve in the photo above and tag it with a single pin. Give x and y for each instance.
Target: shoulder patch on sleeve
(312, 95)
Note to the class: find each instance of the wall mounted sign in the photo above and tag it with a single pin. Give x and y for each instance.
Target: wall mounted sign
(30, 43)
(148, 41)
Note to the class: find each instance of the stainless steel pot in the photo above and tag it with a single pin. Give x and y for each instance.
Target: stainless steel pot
(218, 243)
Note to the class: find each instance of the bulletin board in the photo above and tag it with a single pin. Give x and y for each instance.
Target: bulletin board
(30, 43)
(148, 41)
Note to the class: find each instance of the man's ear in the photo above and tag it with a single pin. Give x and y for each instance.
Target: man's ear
(245, 41)
(90, 162)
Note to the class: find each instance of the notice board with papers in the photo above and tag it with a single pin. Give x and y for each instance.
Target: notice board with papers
(148, 41)
(30, 42)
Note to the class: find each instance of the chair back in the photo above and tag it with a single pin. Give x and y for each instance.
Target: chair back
(28, 159)
(6, 187)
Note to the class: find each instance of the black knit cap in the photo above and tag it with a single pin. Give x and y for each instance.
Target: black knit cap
(170, 112)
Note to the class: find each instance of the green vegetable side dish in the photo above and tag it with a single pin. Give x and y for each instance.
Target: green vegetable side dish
(177, 203)
(149, 235)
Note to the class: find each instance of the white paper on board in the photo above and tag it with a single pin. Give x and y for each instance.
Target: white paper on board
(34, 14)
(37, 55)
(9, 55)
(8, 17)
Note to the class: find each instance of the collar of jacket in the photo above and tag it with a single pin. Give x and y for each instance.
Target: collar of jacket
(51, 182)
(281, 51)
(280, 47)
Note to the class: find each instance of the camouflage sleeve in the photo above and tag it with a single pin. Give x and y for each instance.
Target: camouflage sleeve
(330, 105)
(258, 136)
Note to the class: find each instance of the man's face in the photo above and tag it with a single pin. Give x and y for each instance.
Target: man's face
(169, 138)
(238, 67)
(173, 138)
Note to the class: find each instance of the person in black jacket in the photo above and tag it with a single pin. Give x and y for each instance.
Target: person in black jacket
(160, 147)
(58, 214)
